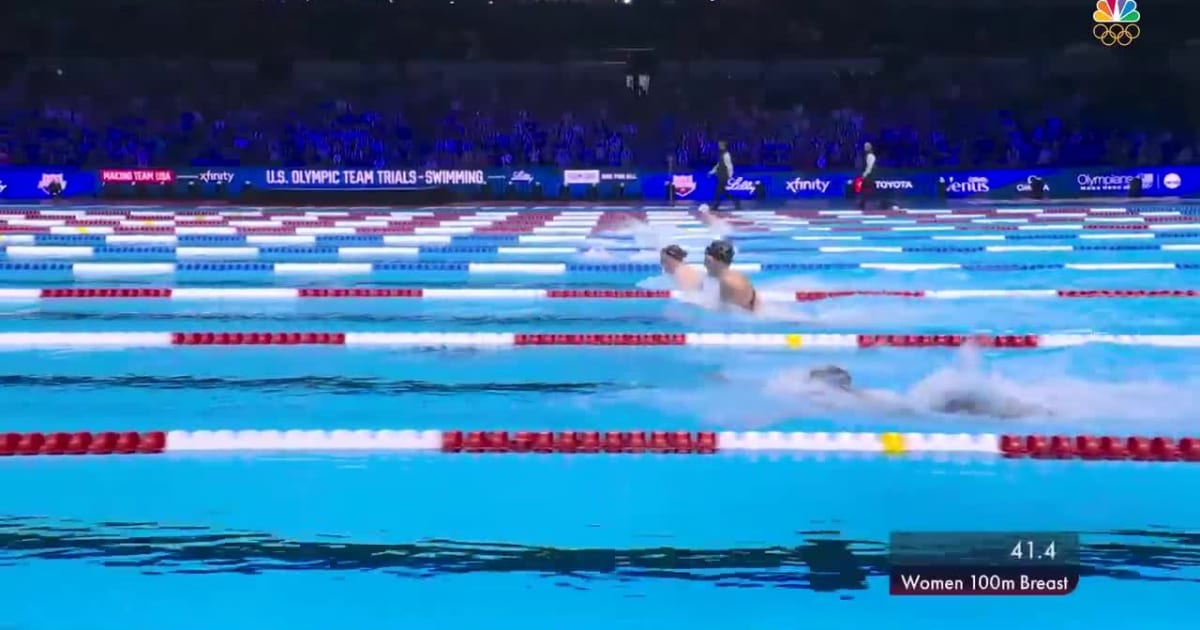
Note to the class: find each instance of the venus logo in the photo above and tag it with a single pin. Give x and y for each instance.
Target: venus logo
(1116, 22)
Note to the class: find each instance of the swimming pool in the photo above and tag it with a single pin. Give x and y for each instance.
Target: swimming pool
(309, 539)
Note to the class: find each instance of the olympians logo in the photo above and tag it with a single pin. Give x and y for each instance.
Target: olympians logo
(1104, 183)
(972, 185)
(798, 185)
(1116, 22)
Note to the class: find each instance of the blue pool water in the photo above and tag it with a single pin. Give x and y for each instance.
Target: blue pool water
(260, 541)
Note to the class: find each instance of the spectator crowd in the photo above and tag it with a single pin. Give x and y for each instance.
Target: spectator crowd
(163, 115)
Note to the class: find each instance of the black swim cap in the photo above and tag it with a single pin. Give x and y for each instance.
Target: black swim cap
(721, 251)
(831, 375)
(674, 251)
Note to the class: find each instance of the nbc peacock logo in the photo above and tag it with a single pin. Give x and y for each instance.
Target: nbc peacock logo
(1116, 22)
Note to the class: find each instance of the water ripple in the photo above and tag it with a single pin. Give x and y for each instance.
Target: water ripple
(322, 384)
(822, 562)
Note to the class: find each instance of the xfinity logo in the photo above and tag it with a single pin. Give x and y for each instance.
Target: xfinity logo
(808, 185)
(972, 185)
(216, 177)
(893, 184)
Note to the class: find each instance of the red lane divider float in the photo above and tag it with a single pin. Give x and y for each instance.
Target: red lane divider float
(809, 296)
(579, 442)
(948, 341)
(1080, 447)
(72, 293)
(600, 339)
(1102, 447)
(1127, 293)
(258, 339)
(82, 443)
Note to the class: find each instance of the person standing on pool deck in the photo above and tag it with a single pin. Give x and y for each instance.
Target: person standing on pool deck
(868, 177)
(685, 276)
(736, 288)
(723, 170)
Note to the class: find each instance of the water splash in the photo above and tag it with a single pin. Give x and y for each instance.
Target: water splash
(1038, 392)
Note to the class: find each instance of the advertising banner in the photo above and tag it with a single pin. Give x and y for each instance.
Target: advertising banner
(1071, 183)
(136, 176)
(584, 177)
(700, 186)
(363, 179)
(32, 184)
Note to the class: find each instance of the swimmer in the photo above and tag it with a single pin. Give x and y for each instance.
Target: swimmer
(686, 277)
(735, 286)
(959, 403)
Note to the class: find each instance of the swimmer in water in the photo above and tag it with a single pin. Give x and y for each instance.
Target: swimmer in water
(967, 403)
(735, 286)
(686, 277)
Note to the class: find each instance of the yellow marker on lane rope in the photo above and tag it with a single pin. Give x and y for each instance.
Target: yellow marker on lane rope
(893, 443)
(793, 340)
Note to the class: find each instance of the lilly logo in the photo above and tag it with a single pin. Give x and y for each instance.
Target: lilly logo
(50, 179)
(1170, 181)
(1116, 22)
(521, 176)
(742, 184)
(684, 185)
(798, 185)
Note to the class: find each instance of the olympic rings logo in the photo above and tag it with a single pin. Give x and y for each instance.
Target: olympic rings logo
(1116, 34)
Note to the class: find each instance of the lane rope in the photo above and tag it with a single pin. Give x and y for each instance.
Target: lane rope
(497, 240)
(1086, 447)
(286, 293)
(112, 340)
(367, 252)
(135, 269)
